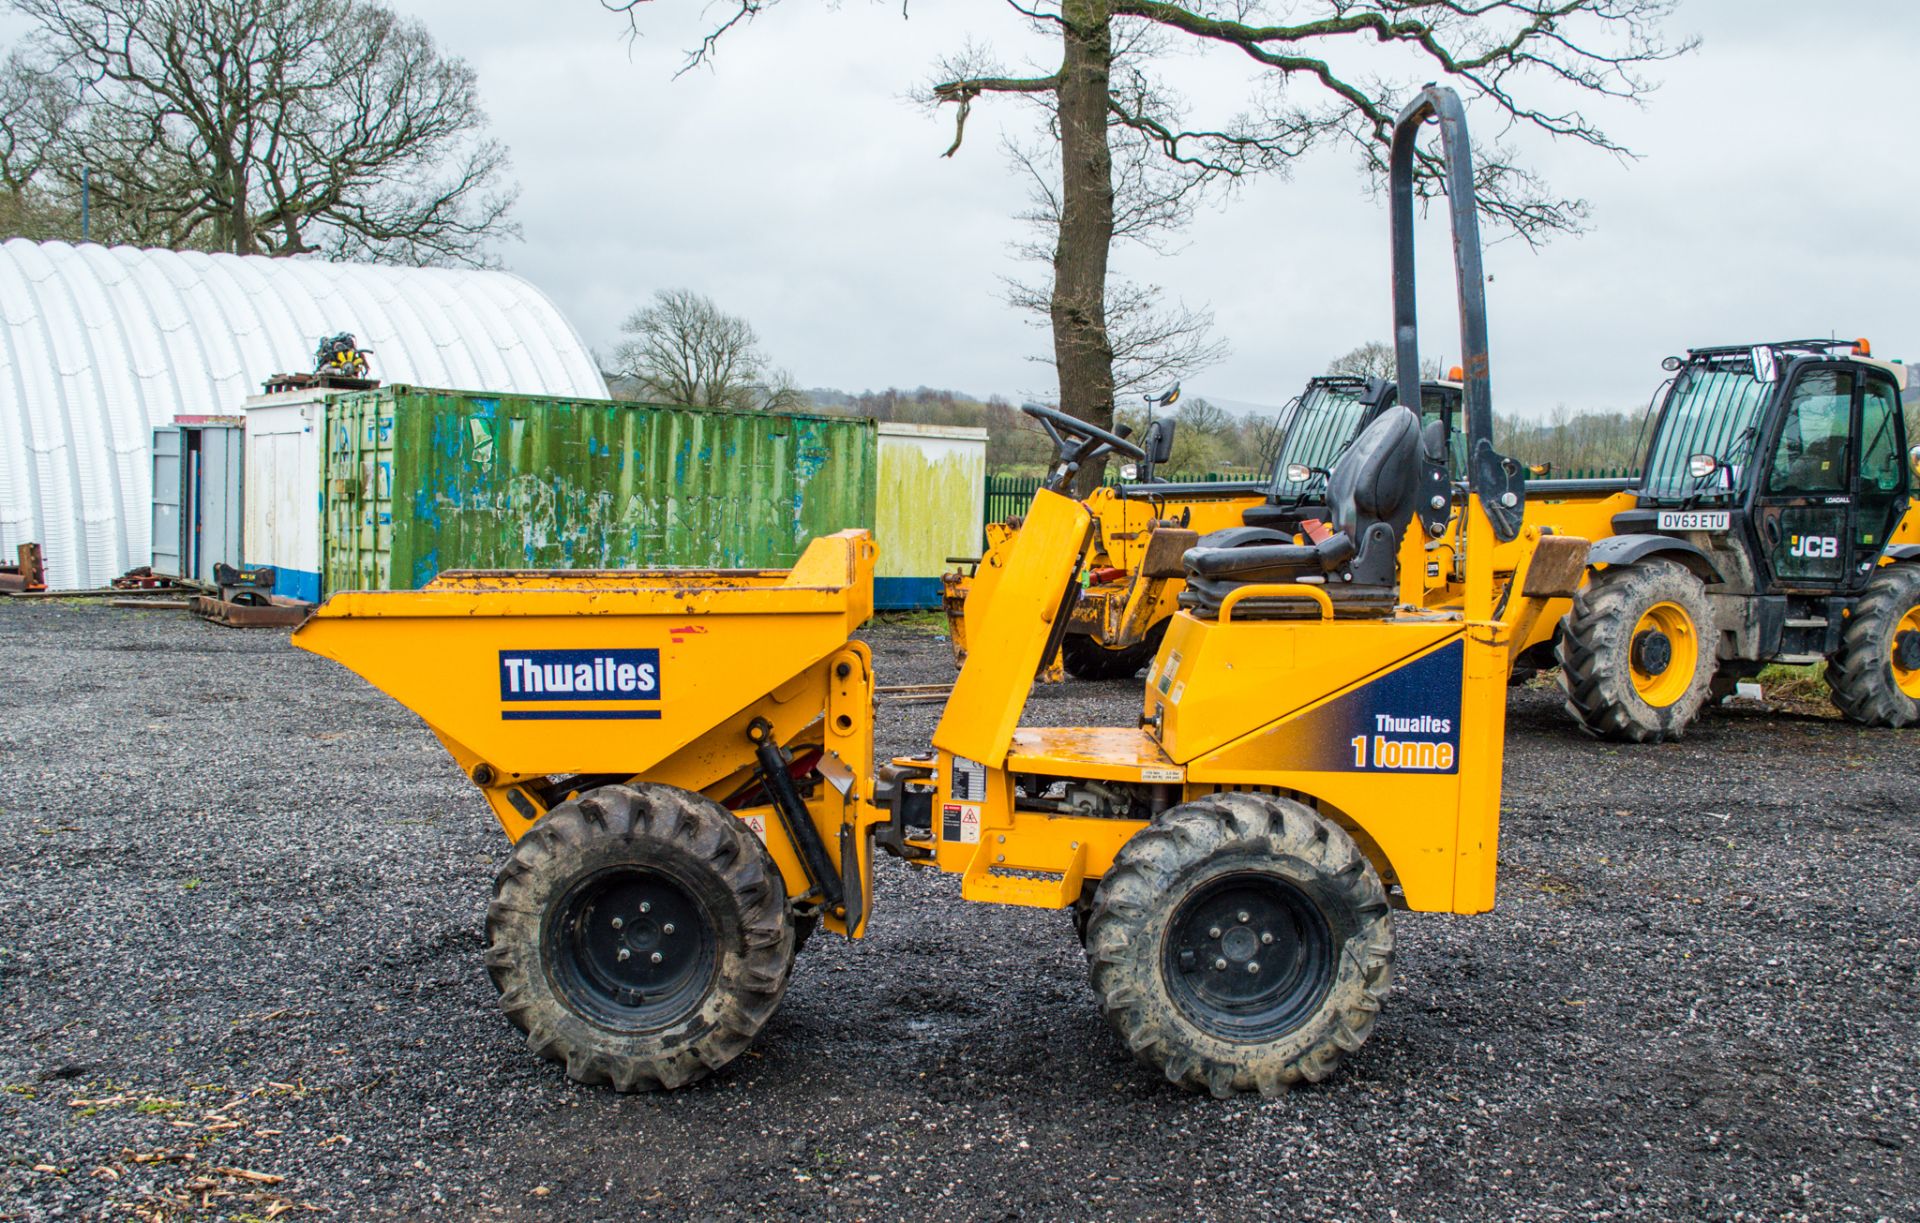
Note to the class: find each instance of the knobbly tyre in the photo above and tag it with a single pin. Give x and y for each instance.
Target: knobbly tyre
(683, 759)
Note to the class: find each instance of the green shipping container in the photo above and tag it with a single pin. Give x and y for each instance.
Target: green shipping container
(418, 481)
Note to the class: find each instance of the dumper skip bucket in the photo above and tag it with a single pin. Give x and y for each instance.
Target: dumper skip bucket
(596, 671)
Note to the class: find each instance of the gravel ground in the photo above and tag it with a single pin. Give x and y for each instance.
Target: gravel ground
(244, 894)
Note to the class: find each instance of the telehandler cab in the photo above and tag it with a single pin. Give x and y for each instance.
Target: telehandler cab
(684, 760)
(1135, 573)
(1773, 522)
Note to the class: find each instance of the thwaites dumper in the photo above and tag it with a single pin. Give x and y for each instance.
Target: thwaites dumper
(1135, 571)
(684, 760)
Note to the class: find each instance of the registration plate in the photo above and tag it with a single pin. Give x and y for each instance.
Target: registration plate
(1693, 520)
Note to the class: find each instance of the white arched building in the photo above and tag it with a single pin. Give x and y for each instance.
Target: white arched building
(99, 346)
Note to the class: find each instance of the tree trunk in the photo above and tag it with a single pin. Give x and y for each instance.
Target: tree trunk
(1082, 353)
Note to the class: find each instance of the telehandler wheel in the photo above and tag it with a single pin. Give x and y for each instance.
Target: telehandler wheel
(1241, 943)
(1086, 658)
(640, 935)
(1638, 652)
(1875, 676)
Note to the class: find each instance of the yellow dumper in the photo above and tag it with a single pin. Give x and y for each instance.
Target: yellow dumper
(684, 760)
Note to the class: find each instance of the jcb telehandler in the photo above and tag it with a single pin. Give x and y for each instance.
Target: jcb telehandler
(1773, 522)
(1135, 573)
(684, 760)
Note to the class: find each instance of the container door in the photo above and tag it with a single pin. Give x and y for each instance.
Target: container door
(358, 483)
(216, 501)
(169, 511)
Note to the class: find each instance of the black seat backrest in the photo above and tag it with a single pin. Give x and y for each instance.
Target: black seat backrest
(1378, 479)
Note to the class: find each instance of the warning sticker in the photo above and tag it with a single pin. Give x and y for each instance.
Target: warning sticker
(756, 822)
(960, 822)
(1179, 690)
(1159, 774)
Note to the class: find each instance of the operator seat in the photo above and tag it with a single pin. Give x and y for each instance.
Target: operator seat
(1370, 496)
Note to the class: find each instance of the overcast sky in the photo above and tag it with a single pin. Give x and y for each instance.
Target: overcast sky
(796, 184)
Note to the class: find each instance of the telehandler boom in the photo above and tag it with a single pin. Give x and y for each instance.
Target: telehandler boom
(684, 760)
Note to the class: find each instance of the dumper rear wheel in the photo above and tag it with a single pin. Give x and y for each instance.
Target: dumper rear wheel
(1241, 943)
(639, 934)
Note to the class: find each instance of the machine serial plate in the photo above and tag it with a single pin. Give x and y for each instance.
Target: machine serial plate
(1693, 520)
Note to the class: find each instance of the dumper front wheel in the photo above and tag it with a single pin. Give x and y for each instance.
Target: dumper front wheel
(639, 935)
(1241, 943)
(1086, 658)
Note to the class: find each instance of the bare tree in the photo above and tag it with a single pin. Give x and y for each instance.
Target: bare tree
(1375, 359)
(277, 127)
(1336, 72)
(684, 349)
(1264, 433)
(1152, 343)
(36, 108)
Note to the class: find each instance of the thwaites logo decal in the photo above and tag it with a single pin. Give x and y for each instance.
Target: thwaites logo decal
(1407, 721)
(571, 683)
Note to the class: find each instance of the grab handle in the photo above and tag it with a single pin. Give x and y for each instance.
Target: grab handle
(1294, 590)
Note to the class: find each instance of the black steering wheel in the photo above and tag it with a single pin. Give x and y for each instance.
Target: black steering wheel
(1077, 442)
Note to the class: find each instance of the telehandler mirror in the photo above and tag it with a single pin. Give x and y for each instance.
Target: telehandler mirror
(1764, 369)
(1913, 461)
(1700, 466)
(1159, 441)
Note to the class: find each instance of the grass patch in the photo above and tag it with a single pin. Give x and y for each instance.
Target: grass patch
(927, 623)
(1795, 683)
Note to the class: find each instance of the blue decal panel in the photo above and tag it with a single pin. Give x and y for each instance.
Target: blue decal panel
(1406, 721)
(579, 677)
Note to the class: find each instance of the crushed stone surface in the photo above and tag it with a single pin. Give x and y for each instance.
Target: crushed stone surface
(240, 971)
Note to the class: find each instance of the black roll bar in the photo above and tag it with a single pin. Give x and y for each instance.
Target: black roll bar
(1499, 483)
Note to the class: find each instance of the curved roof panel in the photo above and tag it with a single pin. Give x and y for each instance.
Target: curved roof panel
(99, 346)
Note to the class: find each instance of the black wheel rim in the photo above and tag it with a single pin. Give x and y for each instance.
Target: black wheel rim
(1906, 650)
(1249, 957)
(1653, 652)
(632, 949)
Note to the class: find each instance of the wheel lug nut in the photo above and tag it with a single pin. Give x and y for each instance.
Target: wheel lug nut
(667, 929)
(646, 906)
(1220, 965)
(1253, 966)
(1245, 917)
(624, 953)
(617, 923)
(656, 957)
(1214, 932)
(1266, 937)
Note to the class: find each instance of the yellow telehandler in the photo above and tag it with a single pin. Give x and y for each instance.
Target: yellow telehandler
(684, 760)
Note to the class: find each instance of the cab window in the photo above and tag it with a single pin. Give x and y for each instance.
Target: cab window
(1880, 459)
(1811, 456)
